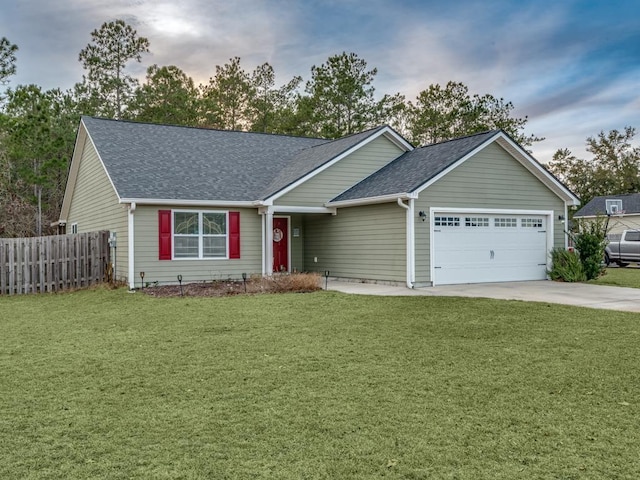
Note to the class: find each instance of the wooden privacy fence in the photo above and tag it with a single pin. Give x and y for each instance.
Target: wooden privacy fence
(49, 264)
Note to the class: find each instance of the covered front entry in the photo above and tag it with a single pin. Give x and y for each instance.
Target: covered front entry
(477, 247)
(280, 244)
(283, 237)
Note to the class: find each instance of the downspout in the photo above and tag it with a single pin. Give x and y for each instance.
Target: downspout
(410, 241)
(132, 208)
(567, 226)
(264, 242)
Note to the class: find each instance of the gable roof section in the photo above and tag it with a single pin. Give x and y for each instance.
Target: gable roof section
(311, 161)
(414, 171)
(597, 205)
(163, 162)
(411, 170)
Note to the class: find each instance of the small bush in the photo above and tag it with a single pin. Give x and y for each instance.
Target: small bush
(567, 266)
(590, 243)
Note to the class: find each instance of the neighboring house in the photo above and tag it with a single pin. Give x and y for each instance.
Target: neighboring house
(623, 211)
(209, 204)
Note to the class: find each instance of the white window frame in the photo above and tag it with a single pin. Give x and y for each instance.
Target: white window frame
(476, 222)
(531, 222)
(446, 221)
(74, 228)
(199, 235)
(505, 222)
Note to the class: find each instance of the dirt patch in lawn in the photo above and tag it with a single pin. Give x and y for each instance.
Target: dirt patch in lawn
(299, 282)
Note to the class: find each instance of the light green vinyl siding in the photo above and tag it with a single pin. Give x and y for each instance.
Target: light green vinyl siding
(491, 179)
(194, 270)
(94, 206)
(343, 174)
(359, 242)
(297, 243)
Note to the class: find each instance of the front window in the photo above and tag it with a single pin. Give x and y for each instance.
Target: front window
(199, 234)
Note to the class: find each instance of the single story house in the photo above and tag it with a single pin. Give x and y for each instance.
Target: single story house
(210, 204)
(623, 211)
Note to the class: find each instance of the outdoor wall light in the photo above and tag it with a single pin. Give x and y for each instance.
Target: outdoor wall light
(423, 215)
(561, 217)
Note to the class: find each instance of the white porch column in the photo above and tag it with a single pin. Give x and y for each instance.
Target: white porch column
(268, 242)
(411, 241)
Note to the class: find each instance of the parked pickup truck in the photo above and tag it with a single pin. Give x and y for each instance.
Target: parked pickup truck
(623, 248)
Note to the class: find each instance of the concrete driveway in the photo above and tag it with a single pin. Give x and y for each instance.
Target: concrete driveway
(579, 294)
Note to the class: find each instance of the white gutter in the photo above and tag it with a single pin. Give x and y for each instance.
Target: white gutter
(410, 247)
(187, 203)
(296, 209)
(132, 208)
(371, 200)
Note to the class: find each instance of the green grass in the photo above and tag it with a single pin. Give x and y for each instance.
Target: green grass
(107, 384)
(620, 277)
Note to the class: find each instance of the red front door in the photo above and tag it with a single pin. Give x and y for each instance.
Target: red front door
(280, 244)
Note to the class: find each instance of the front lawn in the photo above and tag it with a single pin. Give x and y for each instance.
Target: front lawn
(107, 384)
(620, 277)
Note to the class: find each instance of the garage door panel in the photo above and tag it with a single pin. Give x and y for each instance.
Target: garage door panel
(474, 250)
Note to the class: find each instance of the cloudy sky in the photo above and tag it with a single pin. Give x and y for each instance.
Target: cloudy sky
(572, 67)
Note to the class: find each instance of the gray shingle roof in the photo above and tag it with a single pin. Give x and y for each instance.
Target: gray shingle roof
(597, 205)
(311, 158)
(149, 161)
(413, 169)
(169, 162)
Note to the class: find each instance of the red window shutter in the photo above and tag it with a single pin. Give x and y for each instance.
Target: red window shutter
(164, 234)
(234, 234)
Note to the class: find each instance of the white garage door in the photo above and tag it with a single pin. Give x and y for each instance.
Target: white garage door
(477, 248)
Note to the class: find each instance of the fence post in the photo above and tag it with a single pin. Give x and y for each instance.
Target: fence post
(4, 266)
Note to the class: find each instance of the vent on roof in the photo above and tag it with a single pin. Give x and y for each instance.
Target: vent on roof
(614, 206)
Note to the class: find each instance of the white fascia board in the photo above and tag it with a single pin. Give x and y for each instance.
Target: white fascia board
(396, 138)
(300, 209)
(104, 167)
(275, 209)
(74, 167)
(371, 200)
(187, 203)
(522, 157)
(613, 215)
(536, 168)
(386, 131)
(454, 165)
(83, 134)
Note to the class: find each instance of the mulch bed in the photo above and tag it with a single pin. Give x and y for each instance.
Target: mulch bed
(224, 288)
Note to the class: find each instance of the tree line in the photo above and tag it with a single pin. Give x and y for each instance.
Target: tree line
(38, 127)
